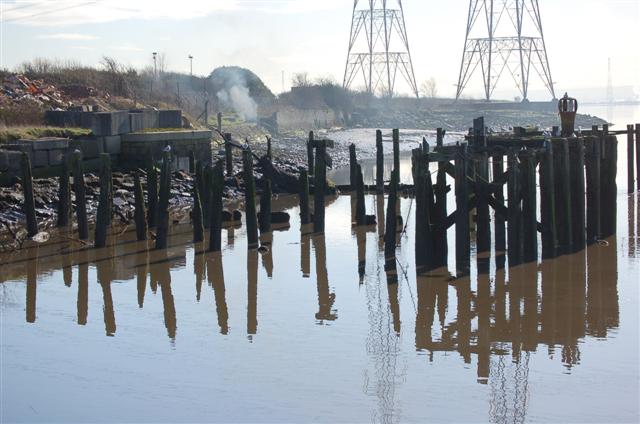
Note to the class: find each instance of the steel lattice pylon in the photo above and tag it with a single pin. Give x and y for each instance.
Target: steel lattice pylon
(511, 40)
(378, 48)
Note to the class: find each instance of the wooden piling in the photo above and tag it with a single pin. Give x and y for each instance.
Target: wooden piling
(529, 206)
(64, 195)
(305, 214)
(463, 243)
(439, 137)
(250, 199)
(352, 167)
(423, 236)
(152, 191)
(592, 166)
(360, 206)
(102, 216)
(638, 157)
(140, 214)
(206, 196)
(630, 159)
(162, 223)
(80, 193)
(379, 163)
(396, 151)
(483, 223)
(265, 208)
(499, 221)
(310, 159)
(576, 162)
(391, 224)
(228, 154)
(547, 203)
(29, 202)
(514, 214)
(609, 188)
(441, 248)
(269, 152)
(196, 214)
(320, 186)
(561, 173)
(217, 191)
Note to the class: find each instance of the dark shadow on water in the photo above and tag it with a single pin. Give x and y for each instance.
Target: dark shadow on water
(215, 276)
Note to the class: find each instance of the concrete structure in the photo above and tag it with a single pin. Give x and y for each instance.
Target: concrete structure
(115, 122)
(292, 118)
(43, 152)
(135, 147)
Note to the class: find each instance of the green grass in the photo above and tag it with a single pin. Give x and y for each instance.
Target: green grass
(17, 133)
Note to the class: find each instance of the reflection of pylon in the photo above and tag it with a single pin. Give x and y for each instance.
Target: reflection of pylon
(375, 54)
(511, 40)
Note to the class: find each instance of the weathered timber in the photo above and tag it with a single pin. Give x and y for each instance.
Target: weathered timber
(514, 219)
(561, 172)
(396, 150)
(630, 159)
(379, 163)
(206, 195)
(547, 203)
(638, 157)
(391, 225)
(29, 205)
(79, 189)
(250, 199)
(162, 223)
(592, 166)
(441, 248)
(228, 154)
(609, 189)
(463, 243)
(196, 213)
(576, 164)
(360, 207)
(305, 213)
(498, 194)
(217, 190)
(423, 236)
(483, 223)
(352, 167)
(320, 186)
(310, 159)
(140, 213)
(64, 195)
(152, 191)
(529, 206)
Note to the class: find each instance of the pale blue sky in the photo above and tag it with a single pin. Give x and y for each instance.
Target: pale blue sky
(271, 36)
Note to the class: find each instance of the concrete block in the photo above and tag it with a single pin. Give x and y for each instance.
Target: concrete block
(112, 144)
(90, 147)
(149, 117)
(110, 123)
(136, 122)
(4, 160)
(40, 158)
(170, 119)
(48, 143)
(14, 163)
(56, 156)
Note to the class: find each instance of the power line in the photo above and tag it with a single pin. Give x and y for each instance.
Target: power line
(48, 12)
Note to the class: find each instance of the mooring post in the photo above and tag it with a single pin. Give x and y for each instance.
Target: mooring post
(163, 202)
(102, 217)
(529, 206)
(423, 236)
(196, 214)
(396, 151)
(80, 193)
(609, 189)
(576, 165)
(463, 243)
(140, 215)
(310, 159)
(360, 207)
(305, 214)
(29, 202)
(353, 177)
(64, 195)
(265, 208)
(630, 159)
(152, 191)
(499, 221)
(320, 185)
(561, 173)
(391, 224)
(217, 190)
(439, 137)
(379, 163)
(441, 248)
(228, 154)
(547, 202)
(514, 218)
(481, 177)
(592, 159)
(250, 199)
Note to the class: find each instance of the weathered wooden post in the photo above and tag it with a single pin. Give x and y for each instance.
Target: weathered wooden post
(638, 157)
(423, 237)
(265, 208)
(140, 214)
(64, 195)
(196, 214)
(440, 137)
(152, 191)
(228, 154)
(463, 243)
(219, 119)
(481, 188)
(352, 167)
(217, 190)
(206, 196)
(102, 217)
(529, 206)
(80, 192)
(163, 202)
(250, 199)
(561, 174)
(396, 151)
(630, 159)
(547, 202)
(269, 152)
(305, 214)
(609, 189)
(379, 163)
(310, 161)
(360, 207)
(576, 162)
(514, 218)
(499, 221)
(592, 165)
(441, 248)
(391, 224)
(29, 202)
(320, 185)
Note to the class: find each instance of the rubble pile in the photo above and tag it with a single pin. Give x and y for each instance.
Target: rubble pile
(18, 88)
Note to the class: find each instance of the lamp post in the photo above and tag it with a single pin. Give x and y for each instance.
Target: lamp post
(190, 65)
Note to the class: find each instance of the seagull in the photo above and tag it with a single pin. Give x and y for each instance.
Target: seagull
(167, 148)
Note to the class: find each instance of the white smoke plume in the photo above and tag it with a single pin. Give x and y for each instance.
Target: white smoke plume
(236, 95)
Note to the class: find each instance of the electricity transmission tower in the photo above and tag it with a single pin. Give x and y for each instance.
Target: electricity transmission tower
(504, 36)
(378, 48)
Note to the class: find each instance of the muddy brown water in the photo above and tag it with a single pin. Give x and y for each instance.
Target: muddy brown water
(311, 331)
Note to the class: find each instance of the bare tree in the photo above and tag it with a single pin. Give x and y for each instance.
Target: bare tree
(300, 79)
(429, 88)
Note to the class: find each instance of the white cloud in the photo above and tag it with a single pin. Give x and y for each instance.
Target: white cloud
(68, 36)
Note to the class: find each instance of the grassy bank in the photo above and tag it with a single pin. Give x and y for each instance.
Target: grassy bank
(17, 133)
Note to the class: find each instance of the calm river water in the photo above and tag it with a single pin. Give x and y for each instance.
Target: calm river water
(312, 332)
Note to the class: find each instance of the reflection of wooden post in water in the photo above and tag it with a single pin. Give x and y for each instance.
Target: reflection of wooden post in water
(379, 164)
(250, 199)
(67, 273)
(198, 268)
(305, 253)
(142, 259)
(500, 294)
(325, 297)
(215, 274)
(602, 288)
(252, 291)
(82, 302)
(104, 271)
(394, 305)
(463, 290)
(361, 238)
(380, 220)
(527, 277)
(32, 285)
(266, 240)
(631, 219)
(217, 190)
(425, 312)
(484, 342)
(168, 305)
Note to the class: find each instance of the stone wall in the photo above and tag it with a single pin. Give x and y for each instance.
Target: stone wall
(290, 118)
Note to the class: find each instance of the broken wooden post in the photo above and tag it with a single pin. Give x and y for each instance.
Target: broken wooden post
(499, 221)
(561, 172)
(379, 163)
(152, 191)
(396, 151)
(547, 202)
(305, 215)
(391, 224)
(439, 137)
(196, 214)
(360, 207)
(64, 195)
(140, 214)
(264, 217)
(163, 202)
(483, 224)
(463, 243)
(217, 191)
(29, 202)
(592, 166)
(514, 214)
(630, 159)
(250, 199)
(310, 161)
(576, 162)
(320, 185)
(269, 153)
(423, 236)
(102, 216)
(228, 154)
(529, 206)
(80, 193)
(352, 167)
